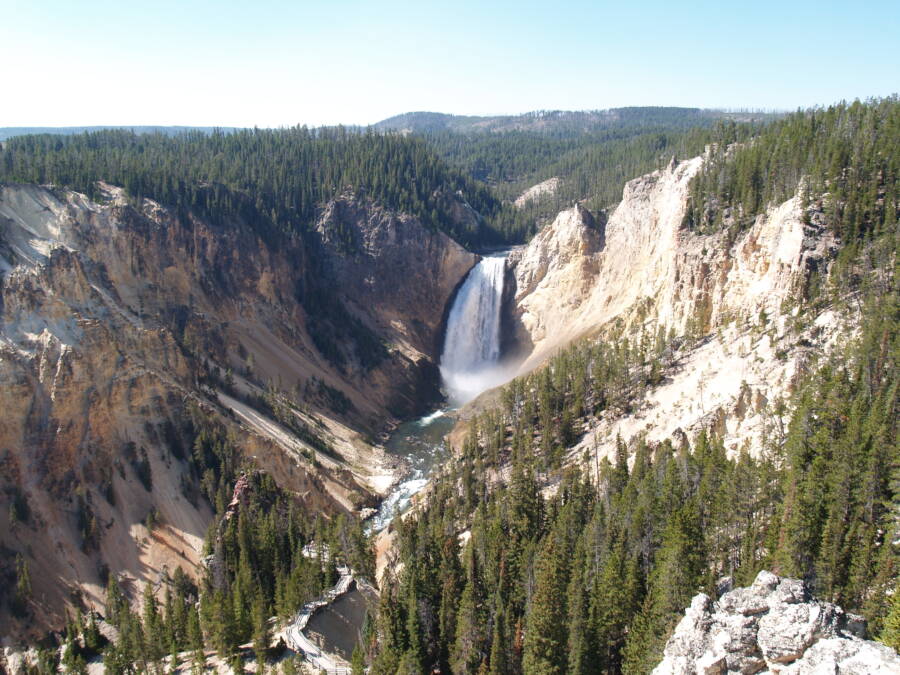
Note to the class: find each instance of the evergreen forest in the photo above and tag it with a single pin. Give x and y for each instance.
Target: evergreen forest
(275, 180)
(570, 565)
(527, 557)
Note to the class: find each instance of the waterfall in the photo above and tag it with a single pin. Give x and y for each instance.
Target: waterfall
(470, 364)
(469, 361)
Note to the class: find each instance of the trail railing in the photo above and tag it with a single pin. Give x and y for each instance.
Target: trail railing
(296, 639)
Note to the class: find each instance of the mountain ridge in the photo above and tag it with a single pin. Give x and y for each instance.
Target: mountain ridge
(563, 122)
(10, 132)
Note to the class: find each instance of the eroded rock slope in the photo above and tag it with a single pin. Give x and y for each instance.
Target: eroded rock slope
(122, 325)
(737, 297)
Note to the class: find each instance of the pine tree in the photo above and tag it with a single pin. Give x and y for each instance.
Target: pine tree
(891, 633)
(414, 657)
(499, 658)
(675, 579)
(261, 632)
(23, 587)
(545, 634)
(358, 661)
(614, 600)
(153, 632)
(92, 637)
(195, 641)
(451, 587)
(468, 650)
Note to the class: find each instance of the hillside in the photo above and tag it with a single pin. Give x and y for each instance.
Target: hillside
(591, 154)
(275, 181)
(203, 338)
(696, 401)
(149, 356)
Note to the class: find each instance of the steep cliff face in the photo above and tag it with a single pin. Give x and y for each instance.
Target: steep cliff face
(389, 267)
(121, 323)
(773, 626)
(738, 295)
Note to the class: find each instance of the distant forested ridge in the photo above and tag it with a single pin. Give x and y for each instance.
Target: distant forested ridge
(594, 153)
(273, 179)
(276, 179)
(565, 123)
(9, 132)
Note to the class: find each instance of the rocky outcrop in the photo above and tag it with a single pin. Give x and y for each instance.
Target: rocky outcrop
(737, 296)
(120, 321)
(575, 276)
(643, 265)
(773, 626)
(390, 267)
(536, 192)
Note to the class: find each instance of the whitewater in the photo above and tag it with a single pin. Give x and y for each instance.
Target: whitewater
(470, 361)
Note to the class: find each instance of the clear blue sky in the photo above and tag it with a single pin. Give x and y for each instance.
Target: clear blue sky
(274, 62)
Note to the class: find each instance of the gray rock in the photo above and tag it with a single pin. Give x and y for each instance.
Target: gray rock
(772, 626)
(854, 624)
(765, 580)
(724, 585)
(791, 591)
(746, 601)
(849, 657)
(787, 632)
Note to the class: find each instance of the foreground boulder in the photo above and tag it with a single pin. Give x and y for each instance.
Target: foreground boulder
(773, 626)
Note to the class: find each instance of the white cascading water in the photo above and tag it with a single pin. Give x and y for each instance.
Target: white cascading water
(469, 362)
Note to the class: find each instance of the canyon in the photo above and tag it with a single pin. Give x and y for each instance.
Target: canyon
(122, 323)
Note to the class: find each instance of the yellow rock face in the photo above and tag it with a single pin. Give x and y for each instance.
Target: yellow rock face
(113, 317)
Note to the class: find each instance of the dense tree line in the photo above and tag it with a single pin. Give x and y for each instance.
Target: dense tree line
(276, 180)
(273, 179)
(261, 563)
(269, 557)
(846, 154)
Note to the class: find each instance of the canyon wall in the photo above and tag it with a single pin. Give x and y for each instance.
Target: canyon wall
(736, 295)
(122, 324)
